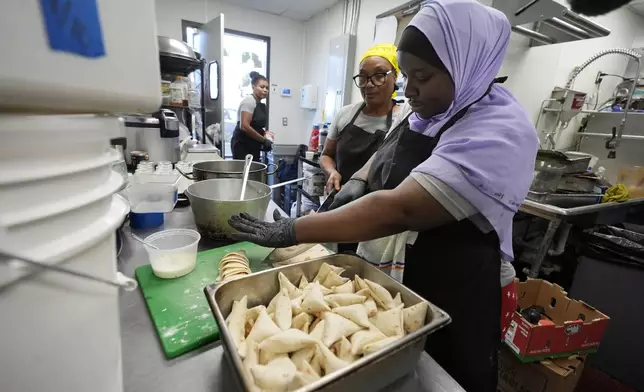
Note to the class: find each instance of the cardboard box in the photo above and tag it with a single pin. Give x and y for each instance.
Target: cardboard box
(578, 326)
(556, 375)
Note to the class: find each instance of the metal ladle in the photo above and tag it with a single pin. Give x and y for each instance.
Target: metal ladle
(247, 162)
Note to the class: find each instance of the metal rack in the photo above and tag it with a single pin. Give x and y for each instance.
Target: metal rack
(300, 191)
(176, 58)
(186, 111)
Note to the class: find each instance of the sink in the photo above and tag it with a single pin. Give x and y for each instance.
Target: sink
(565, 200)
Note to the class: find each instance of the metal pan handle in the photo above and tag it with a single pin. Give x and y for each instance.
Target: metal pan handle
(121, 280)
(287, 182)
(270, 173)
(189, 176)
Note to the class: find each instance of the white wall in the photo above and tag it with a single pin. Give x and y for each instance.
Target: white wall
(287, 48)
(328, 24)
(533, 72)
(319, 31)
(366, 26)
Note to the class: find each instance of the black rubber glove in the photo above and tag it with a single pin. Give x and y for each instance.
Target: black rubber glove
(354, 189)
(277, 216)
(267, 145)
(279, 234)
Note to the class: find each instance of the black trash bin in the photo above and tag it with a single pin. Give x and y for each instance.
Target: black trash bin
(610, 277)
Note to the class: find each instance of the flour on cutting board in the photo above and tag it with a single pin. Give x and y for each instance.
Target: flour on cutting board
(170, 332)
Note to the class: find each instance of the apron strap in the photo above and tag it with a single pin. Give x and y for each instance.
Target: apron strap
(462, 112)
(357, 113)
(390, 116)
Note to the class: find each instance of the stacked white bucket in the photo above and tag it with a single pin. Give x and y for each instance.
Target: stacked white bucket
(57, 202)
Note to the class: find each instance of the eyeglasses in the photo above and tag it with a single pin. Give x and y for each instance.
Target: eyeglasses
(377, 79)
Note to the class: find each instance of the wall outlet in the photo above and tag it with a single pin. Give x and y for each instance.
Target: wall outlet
(285, 121)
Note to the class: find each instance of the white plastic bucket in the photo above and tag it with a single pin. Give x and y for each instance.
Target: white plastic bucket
(43, 71)
(55, 177)
(61, 333)
(27, 229)
(48, 145)
(34, 200)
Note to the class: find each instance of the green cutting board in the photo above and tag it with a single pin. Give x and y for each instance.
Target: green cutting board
(179, 308)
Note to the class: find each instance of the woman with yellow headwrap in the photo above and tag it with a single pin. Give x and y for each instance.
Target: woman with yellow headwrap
(358, 129)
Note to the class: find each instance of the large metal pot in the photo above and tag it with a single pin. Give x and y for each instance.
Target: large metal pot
(213, 202)
(210, 170)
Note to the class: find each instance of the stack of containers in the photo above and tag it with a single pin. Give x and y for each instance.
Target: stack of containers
(153, 189)
(57, 202)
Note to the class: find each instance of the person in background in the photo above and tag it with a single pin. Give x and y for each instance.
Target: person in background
(467, 143)
(359, 129)
(248, 137)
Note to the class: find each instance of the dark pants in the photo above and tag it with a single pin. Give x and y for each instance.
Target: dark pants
(457, 268)
(242, 148)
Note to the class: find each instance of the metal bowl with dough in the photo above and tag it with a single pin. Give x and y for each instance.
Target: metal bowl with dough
(213, 202)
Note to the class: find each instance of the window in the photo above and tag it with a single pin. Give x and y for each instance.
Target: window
(213, 72)
(194, 39)
(190, 34)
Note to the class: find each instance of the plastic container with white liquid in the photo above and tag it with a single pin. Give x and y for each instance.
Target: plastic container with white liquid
(177, 253)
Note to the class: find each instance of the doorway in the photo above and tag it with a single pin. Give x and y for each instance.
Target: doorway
(243, 53)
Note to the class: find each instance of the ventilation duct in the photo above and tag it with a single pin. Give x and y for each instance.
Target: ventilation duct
(547, 22)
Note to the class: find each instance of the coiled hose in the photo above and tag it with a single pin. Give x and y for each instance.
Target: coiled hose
(625, 52)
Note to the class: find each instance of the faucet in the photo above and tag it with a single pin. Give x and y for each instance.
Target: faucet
(613, 143)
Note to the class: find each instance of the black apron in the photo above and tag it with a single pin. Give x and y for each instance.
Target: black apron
(242, 144)
(455, 266)
(355, 146)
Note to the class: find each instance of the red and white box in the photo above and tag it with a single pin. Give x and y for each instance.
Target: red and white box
(576, 326)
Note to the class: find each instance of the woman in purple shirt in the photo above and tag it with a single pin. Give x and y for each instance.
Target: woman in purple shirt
(466, 134)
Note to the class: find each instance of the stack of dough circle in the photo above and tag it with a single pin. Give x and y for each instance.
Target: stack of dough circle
(233, 265)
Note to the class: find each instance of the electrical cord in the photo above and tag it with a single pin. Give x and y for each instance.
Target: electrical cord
(602, 74)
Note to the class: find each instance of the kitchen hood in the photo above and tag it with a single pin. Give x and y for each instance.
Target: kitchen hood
(545, 22)
(548, 22)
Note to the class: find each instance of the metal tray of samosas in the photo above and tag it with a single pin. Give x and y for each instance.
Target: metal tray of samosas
(369, 373)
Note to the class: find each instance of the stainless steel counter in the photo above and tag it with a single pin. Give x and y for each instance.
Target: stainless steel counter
(145, 367)
(584, 216)
(552, 212)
